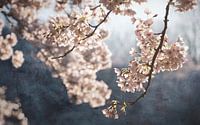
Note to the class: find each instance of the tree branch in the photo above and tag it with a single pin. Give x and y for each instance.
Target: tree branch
(6, 16)
(96, 27)
(163, 33)
(65, 54)
(94, 8)
(87, 36)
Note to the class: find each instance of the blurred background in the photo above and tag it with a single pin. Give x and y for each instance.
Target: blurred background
(172, 99)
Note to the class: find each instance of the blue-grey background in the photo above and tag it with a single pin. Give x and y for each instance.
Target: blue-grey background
(173, 98)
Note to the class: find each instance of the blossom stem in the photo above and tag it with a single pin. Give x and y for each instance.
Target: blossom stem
(96, 27)
(66, 53)
(163, 33)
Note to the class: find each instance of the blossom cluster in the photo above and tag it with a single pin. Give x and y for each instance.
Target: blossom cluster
(90, 54)
(114, 109)
(78, 72)
(10, 110)
(116, 4)
(170, 56)
(122, 7)
(184, 5)
(6, 49)
(60, 4)
(70, 29)
(74, 30)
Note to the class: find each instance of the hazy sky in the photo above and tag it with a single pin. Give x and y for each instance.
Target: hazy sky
(122, 30)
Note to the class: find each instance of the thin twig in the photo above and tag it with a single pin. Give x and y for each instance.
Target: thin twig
(87, 36)
(66, 53)
(68, 15)
(94, 8)
(6, 16)
(96, 27)
(155, 55)
(157, 33)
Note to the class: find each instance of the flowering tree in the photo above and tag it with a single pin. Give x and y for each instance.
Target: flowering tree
(72, 45)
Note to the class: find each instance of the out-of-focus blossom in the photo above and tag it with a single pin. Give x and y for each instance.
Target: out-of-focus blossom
(122, 7)
(60, 5)
(140, 1)
(79, 73)
(17, 59)
(11, 39)
(89, 91)
(184, 5)
(6, 50)
(10, 110)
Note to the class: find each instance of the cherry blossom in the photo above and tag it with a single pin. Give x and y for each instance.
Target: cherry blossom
(17, 59)
(72, 45)
(6, 49)
(10, 110)
(184, 5)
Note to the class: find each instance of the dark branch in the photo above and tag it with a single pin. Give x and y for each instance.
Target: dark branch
(94, 8)
(66, 53)
(87, 36)
(96, 27)
(155, 55)
(6, 16)
(157, 33)
(68, 15)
